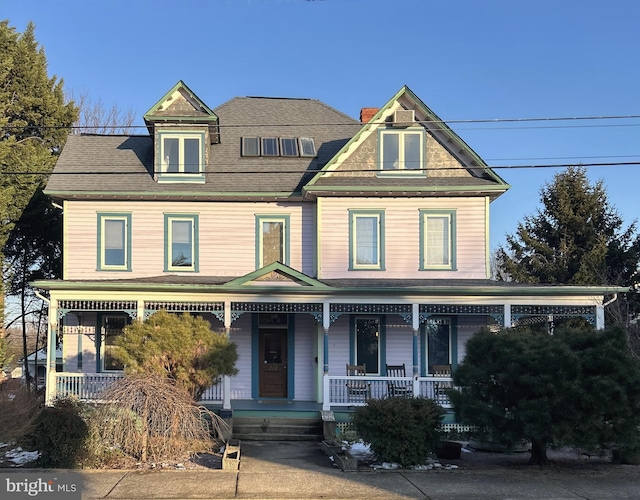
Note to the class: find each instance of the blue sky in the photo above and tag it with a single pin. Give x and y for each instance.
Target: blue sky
(466, 59)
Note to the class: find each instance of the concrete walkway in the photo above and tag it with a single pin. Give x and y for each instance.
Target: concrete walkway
(288, 470)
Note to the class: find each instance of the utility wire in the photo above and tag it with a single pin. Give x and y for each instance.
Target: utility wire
(370, 170)
(356, 123)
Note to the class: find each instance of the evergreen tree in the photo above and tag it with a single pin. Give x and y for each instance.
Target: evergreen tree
(181, 348)
(34, 124)
(577, 388)
(577, 237)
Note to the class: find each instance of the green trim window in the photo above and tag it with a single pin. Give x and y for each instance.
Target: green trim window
(367, 347)
(272, 239)
(438, 345)
(401, 151)
(181, 242)
(366, 240)
(437, 240)
(114, 242)
(181, 156)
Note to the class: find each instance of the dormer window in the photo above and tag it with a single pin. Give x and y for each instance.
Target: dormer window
(180, 156)
(401, 151)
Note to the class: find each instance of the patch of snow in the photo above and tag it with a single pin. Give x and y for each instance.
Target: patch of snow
(20, 457)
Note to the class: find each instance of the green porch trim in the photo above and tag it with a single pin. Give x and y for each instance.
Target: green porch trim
(278, 267)
(328, 291)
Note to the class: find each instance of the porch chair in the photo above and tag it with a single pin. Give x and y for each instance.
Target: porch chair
(441, 370)
(357, 390)
(398, 388)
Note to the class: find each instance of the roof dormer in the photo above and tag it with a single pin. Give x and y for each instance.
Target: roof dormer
(182, 127)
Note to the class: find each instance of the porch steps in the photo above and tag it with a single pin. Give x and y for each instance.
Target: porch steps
(277, 428)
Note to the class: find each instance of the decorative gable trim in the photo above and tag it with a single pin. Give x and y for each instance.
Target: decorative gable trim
(182, 106)
(276, 272)
(406, 100)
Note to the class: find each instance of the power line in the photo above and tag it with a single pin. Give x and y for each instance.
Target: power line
(369, 170)
(339, 124)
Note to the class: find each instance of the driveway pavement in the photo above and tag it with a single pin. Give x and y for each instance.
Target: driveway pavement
(285, 470)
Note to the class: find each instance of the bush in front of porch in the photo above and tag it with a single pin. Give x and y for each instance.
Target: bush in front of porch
(400, 429)
(182, 348)
(578, 387)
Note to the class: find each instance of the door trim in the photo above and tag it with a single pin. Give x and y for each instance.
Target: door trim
(255, 359)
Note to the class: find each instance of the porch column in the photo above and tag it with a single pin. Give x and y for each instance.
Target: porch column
(507, 316)
(415, 324)
(326, 321)
(226, 392)
(140, 310)
(52, 330)
(227, 317)
(599, 317)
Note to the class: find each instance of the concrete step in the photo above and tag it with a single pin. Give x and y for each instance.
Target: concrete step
(277, 429)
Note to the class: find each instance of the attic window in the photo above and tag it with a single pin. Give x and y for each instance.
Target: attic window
(307, 147)
(250, 146)
(269, 146)
(180, 156)
(289, 147)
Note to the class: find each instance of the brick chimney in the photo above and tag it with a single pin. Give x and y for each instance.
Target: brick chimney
(367, 113)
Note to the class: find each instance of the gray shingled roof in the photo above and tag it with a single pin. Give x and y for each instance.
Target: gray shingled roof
(124, 164)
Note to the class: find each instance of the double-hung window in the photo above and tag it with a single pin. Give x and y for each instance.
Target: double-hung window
(366, 239)
(114, 242)
(402, 150)
(272, 239)
(181, 242)
(437, 239)
(181, 156)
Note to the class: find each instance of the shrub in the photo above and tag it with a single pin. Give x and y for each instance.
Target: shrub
(59, 434)
(151, 416)
(401, 430)
(19, 409)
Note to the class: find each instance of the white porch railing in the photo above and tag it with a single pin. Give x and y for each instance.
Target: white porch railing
(84, 386)
(89, 386)
(356, 391)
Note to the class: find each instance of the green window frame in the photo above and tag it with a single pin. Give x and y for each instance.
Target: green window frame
(439, 343)
(368, 342)
(114, 241)
(181, 243)
(401, 151)
(180, 156)
(272, 239)
(366, 240)
(437, 240)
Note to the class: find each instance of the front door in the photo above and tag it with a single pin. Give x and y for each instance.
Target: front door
(273, 362)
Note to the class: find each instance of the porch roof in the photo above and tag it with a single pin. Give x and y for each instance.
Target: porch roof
(333, 287)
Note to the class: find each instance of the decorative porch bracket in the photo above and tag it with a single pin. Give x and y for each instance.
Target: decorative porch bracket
(520, 313)
(313, 308)
(495, 311)
(129, 307)
(215, 308)
(403, 310)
